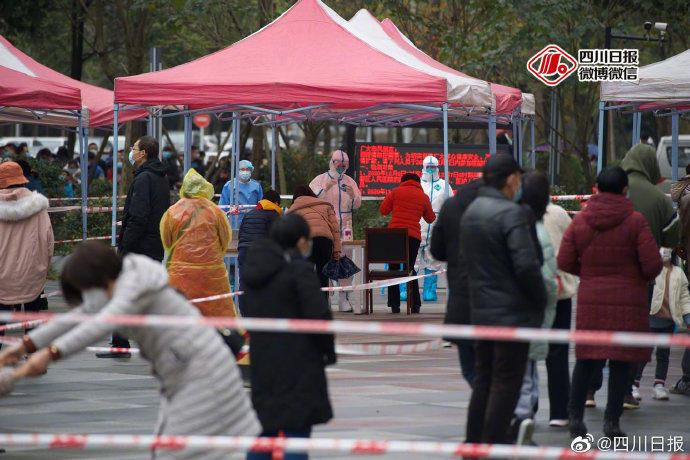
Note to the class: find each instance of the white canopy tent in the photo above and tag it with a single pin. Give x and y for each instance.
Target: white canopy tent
(661, 85)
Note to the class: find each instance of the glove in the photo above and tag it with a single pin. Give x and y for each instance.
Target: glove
(350, 191)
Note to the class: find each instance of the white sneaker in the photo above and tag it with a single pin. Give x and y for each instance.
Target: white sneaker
(660, 392)
(636, 393)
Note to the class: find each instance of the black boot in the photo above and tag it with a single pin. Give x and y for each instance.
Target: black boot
(577, 427)
(612, 430)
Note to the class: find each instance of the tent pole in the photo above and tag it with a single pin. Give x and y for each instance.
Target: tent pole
(83, 164)
(445, 149)
(236, 162)
(187, 143)
(600, 146)
(639, 126)
(492, 134)
(273, 154)
(534, 155)
(674, 146)
(635, 137)
(115, 150)
(518, 137)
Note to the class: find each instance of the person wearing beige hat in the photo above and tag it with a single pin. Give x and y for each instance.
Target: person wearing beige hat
(26, 241)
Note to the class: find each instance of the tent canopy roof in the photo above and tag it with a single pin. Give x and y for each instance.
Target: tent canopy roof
(309, 55)
(99, 101)
(663, 81)
(18, 89)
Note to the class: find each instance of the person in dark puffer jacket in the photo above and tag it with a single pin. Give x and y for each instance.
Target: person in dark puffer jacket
(409, 204)
(255, 225)
(445, 246)
(611, 248)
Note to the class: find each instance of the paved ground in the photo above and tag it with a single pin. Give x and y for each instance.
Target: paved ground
(414, 397)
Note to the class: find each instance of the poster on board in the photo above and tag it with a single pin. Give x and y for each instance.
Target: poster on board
(380, 166)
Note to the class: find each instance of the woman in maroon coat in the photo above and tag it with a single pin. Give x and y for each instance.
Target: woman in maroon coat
(409, 204)
(610, 247)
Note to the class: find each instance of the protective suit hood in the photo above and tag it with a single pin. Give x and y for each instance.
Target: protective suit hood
(338, 157)
(430, 161)
(642, 158)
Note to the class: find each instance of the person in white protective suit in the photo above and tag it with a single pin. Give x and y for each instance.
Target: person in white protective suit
(342, 192)
(435, 189)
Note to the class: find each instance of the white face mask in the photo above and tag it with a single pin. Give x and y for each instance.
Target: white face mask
(666, 254)
(94, 299)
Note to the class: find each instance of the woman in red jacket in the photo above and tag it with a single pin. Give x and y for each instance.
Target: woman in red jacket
(610, 247)
(409, 204)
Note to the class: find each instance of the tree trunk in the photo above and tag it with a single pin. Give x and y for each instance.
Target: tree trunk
(77, 14)
(327, 139)
(282, 182)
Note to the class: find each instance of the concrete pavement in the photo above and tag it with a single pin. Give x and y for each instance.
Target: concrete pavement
(412, 397)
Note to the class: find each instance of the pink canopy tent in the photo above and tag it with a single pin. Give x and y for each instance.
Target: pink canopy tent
(21, 90)
(306, 56)
(99, 101)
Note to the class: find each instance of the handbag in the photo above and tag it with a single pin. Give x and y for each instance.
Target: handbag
(340, 269)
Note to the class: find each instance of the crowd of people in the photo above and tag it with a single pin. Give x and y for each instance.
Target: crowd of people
(514, 259)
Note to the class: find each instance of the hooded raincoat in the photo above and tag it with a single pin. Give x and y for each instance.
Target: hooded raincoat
(195, 234)
(338, 189)
(643, 174)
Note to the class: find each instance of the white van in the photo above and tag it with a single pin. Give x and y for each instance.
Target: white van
(663, 155)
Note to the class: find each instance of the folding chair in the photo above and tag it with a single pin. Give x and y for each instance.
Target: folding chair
(386, 246)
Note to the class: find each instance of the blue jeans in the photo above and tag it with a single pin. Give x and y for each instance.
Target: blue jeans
(304, 433)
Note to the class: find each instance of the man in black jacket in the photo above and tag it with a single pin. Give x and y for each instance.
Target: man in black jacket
(506, 289)
(147, 200)
(445, 246)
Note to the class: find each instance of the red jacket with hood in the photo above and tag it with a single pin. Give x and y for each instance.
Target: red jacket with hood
(610, 247)
(409, 204)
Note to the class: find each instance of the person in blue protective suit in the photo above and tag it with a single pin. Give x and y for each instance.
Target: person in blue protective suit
(249, 192)
(342, 192)
(435, 189)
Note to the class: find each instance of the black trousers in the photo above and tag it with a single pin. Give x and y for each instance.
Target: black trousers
(394, 291)
(619, 386)
(662, 355)
(34, 306)
(557, 368)
(321, 253)
(498, 374)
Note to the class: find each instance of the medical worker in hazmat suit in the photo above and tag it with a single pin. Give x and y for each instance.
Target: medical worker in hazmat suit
(195, 234)
(342, 192)
(249, 193)
(435, 189)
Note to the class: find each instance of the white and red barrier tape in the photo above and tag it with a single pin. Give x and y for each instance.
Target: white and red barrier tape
(78, 198)
(79, 240)
(387, 348)
(20, 326)
(312, 326)
(323, 445)
(89, 210)
(355, 287)
(570, 197)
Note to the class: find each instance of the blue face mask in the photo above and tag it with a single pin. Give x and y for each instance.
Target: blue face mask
(167, 154)
(430, 171)
(245, 175)
(518, 195)
(62, 178)
(119, 165)
(131, 157)
(6, 153)
(340, 170)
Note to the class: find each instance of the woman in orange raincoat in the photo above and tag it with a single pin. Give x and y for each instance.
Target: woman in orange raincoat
(195, 234)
